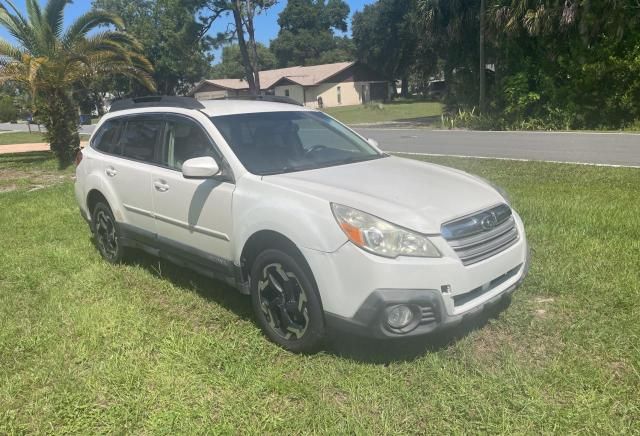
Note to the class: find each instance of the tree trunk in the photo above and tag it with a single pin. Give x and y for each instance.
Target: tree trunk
(255, 64)
(248, 70)
(59, 114)
(483, 82)
(404, 87)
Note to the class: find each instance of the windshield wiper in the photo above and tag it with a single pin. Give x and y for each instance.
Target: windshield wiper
(353, 159)
(287, 169)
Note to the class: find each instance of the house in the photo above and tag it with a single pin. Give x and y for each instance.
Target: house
(339, 84)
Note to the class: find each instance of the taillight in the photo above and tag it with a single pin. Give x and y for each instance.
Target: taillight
(78, 157)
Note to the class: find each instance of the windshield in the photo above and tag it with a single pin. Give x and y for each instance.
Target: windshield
(280, 142)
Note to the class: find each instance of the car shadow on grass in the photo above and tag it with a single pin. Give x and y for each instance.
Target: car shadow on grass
(338, 344)
(208, 288)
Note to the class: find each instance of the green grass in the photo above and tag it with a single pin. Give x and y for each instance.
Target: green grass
(21, 137)
(419, 112)
(28, 138)
(147, 347)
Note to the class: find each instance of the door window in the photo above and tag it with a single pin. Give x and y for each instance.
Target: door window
(185, 139)
(140, 138)
(106, 140)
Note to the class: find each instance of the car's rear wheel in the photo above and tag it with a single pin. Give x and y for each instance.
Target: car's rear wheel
(106, 232)
(286, 301)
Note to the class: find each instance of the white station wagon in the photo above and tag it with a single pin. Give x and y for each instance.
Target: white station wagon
(318, 225)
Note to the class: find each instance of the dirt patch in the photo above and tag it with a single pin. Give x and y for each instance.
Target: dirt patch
(8, 188)
(493, 342)
(29, 180)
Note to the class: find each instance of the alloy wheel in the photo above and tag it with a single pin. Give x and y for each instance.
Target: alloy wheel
(106, 234)
(283, 301)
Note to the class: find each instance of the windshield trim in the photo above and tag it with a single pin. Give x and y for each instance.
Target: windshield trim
(325, 165)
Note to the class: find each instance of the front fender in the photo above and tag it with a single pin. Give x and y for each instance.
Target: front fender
(304, 219)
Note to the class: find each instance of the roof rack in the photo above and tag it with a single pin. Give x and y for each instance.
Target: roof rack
(155, 101)
(270, 98)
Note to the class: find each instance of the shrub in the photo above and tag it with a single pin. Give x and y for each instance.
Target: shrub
(8, 110)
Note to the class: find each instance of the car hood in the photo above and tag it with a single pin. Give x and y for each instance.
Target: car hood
(413, 194)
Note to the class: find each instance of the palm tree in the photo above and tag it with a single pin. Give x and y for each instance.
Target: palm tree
(49, 62)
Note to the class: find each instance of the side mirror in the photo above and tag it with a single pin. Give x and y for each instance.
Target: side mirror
(200, 168)
(373, 142)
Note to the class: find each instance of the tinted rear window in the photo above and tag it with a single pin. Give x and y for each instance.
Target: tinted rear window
(106, 140)
(140, 138)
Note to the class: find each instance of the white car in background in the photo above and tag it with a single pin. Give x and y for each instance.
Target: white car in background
(317, 224)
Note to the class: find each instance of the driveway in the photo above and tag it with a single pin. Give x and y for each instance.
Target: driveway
(595, 148)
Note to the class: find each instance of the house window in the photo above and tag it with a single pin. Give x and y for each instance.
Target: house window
(286, 93)
(339, 95)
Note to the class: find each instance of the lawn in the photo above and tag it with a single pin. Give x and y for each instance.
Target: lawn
(21, 137)
(415, 112)
(147, 347)
(28, 138)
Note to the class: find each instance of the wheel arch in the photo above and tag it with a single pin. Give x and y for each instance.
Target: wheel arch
(94, 196)
(269, 239)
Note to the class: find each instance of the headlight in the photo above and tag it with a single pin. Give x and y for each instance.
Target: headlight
(381, 237)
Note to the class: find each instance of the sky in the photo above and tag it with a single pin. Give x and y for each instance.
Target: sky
(266, 24)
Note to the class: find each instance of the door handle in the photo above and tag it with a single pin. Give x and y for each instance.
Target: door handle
(110, 171)
(160, 186)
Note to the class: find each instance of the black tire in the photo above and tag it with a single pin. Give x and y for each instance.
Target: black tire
(107, 233)
(286, 302)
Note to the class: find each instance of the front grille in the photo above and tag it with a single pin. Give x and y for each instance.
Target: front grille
(481, 235)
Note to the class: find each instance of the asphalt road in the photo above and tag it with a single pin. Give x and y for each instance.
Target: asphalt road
(595, 148)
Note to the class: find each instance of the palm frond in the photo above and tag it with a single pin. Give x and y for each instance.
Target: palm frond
(54, 15)
(8, 50)
(89, 21)
(34, 13)
(17, 26)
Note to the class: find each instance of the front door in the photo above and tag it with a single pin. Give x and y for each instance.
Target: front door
(192, 215)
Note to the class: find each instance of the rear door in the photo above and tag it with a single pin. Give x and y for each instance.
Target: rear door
(128, 171)
(192, 215)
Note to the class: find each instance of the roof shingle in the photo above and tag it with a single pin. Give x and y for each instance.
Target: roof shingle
(305, 76)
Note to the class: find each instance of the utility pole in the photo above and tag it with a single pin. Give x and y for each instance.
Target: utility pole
(483, 81)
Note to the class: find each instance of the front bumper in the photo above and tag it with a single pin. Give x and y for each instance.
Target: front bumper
(357, 287)
(430, 313)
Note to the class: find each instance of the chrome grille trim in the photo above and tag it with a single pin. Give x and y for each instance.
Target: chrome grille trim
(472, 243)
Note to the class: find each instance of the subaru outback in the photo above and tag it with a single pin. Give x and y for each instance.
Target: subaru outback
(319, 226)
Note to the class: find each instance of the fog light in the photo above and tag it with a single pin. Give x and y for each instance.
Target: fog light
(399, 317)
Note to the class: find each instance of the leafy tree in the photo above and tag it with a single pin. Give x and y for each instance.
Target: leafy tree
(232, 66)
(173, 38)
(49, 61)
(306, 33)
(244, 13)
(452, 28)
(385, 37)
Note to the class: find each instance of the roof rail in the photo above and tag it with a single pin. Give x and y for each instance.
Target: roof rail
(155, 101)
(270, 98)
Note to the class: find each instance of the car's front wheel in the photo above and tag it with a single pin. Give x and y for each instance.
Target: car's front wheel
(286, 301)
(106, 233)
